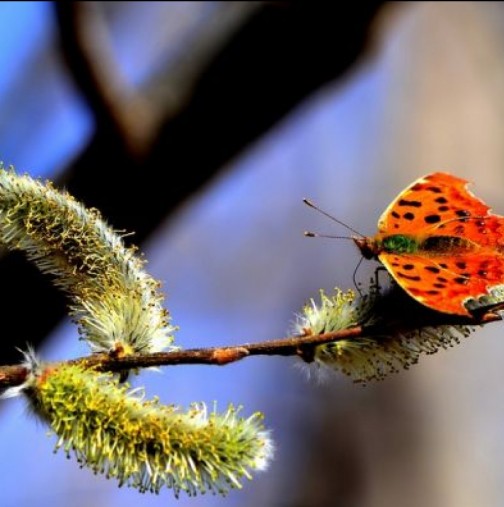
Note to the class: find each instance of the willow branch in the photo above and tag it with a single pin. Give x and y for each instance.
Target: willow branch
(301, 346)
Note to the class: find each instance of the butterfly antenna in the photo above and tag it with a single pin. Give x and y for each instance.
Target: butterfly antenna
(310, 234)
(334, 219)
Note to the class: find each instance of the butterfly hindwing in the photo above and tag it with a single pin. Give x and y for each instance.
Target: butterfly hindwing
(450, 284)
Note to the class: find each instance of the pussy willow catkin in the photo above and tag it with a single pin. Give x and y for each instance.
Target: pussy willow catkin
(142, 443)
(375, 356)
(106, 426)
(115, 302)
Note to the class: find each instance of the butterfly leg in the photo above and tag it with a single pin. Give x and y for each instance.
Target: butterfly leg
(376, 281)
(354, 277)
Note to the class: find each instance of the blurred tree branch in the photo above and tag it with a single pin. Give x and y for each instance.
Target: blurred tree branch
(137, 115)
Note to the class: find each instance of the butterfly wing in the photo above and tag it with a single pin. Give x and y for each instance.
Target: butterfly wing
(438, 203)
(449, 284)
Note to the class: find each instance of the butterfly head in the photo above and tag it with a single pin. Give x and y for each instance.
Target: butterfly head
(368, 247)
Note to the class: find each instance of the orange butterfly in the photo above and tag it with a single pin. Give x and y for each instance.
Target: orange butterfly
(442, 245)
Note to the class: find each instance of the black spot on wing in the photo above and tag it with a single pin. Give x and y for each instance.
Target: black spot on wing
(414, 278)
(432, 269)
(408, 216)
(414, 204)
(432, 219)
(463, 213)
(441, 200)
(461, 281)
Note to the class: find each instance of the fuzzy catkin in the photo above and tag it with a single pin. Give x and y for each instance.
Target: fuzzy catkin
(142, 443)
(373, 357)
(116, 304)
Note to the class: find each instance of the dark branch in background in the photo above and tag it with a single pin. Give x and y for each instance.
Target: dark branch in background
(137, 115)
(281, 54)
(88, 53)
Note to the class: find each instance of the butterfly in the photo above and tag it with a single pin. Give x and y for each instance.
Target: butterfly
(442, 245)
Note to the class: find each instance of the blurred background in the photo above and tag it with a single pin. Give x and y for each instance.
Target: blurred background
(200, 126)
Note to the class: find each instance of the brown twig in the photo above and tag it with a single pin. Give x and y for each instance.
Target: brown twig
(11, 376)
(301, 346)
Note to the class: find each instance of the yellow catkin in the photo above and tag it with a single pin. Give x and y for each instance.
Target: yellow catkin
(142, 443)
(116, 304)
(371, 357)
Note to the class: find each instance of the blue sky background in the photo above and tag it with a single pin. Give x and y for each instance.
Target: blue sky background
(236, 267)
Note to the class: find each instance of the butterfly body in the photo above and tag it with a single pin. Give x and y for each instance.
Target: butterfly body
(442, 245)
(408, 244)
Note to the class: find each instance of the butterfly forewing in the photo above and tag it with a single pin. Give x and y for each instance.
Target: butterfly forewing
(430, 202)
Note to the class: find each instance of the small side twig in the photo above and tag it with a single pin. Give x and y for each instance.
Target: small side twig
(138, 113)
